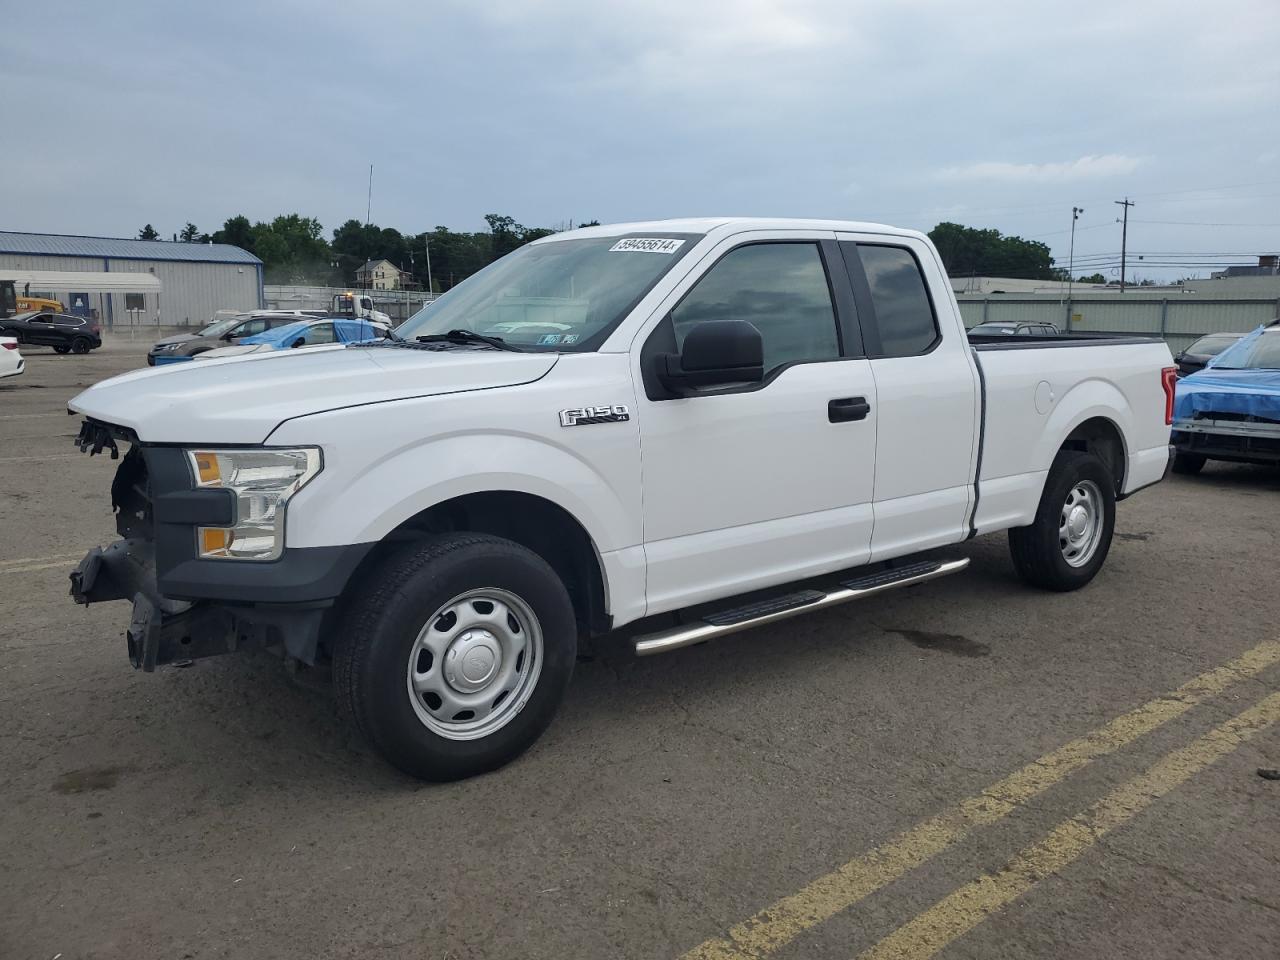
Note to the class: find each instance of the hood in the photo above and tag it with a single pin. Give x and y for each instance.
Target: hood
(180, 338)
(1248, 392)
(243, 399)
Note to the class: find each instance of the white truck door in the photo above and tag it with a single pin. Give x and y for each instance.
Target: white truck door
(752, 486)
(929, 405)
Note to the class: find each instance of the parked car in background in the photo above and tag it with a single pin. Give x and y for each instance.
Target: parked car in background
(62, 331)
(1231, 409)
(11, 362)
(1203, 350)
(1021, 328)
(220, 333)
(304, 333)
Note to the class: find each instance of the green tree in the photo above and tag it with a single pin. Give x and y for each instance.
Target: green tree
(1092, 278)
(292, 249)
(236, 231)
(190, 233)
(148, 233)
(970, 251)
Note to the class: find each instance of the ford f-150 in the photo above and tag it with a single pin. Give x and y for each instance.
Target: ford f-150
(686, 428)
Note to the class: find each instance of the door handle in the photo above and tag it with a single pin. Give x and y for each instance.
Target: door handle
(848, 408)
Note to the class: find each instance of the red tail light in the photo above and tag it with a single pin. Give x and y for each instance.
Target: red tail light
(1169, 380)
(12, 345)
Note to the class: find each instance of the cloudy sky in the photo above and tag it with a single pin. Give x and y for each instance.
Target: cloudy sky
(991, 114)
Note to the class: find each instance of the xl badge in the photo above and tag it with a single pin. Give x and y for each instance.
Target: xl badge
(581, 416)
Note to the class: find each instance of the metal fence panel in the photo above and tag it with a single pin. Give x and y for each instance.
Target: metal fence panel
(1179, 321)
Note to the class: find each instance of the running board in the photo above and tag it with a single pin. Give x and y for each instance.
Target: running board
(758, 613)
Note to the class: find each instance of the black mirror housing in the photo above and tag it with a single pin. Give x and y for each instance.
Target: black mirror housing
(715, 352)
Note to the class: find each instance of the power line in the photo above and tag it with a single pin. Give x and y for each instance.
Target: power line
(1195, 223)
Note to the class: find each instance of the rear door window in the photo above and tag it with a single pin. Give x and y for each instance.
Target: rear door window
(904, 312)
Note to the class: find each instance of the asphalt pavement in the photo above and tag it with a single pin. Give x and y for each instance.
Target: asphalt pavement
(964, 769)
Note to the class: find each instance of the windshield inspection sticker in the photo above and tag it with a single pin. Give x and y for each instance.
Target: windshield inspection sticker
(548, 339)
(646, 245)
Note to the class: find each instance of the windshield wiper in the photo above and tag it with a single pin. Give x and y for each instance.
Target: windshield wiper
(469, 336)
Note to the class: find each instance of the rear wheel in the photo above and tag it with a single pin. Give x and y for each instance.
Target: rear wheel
(454, 653)
(1067, 543)
(62, 348)
(1188, 463)
(81, 345)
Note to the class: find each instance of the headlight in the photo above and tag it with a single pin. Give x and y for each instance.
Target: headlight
(263, 480)
(168, 346)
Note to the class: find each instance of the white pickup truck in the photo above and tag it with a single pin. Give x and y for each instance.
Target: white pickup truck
(691, 427)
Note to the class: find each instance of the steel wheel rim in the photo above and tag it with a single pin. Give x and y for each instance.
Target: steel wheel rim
(474, 664)
(1080, 523)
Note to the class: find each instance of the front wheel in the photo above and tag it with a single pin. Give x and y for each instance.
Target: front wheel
(1067, 543)
(63, 348)
(453, 654)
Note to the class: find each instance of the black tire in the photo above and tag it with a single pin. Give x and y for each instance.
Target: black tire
(62, 348)
(81, 345)
(1188, 463)
(1037, 550)
(379, 626)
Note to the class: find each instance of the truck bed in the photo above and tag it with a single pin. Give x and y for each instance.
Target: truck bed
(1002, 341)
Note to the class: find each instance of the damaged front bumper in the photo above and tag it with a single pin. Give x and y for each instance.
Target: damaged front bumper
(163, 630)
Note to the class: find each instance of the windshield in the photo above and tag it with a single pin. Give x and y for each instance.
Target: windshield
(1211, 346)
(219, 327)
(561, 295)
(1258, 351)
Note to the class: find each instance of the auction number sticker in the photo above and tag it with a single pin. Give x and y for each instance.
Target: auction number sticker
(646, 245)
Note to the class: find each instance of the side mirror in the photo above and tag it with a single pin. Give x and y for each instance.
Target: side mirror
(716, 352)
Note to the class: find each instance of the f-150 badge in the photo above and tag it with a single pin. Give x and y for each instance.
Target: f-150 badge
(581, 416)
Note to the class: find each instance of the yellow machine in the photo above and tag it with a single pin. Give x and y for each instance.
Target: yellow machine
(39, 304)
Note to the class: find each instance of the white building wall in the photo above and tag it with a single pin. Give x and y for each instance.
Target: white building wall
(190, 292)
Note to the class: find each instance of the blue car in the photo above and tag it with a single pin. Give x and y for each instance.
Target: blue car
(304, 333)
(1231, 409)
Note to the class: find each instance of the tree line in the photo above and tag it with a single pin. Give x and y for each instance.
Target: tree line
(294, 250)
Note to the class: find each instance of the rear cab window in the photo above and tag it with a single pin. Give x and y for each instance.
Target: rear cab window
(896, 297)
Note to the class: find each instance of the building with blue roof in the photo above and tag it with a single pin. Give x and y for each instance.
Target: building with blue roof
(172, 283)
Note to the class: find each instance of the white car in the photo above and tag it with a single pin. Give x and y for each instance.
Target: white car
(686, 427)
(11, 362)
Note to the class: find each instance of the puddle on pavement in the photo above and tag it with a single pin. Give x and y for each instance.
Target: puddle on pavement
(951, 643)
(89, 779)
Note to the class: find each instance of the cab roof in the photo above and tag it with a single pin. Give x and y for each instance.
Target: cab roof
(729, 225)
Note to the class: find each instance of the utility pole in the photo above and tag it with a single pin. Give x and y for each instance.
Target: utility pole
(1124, 237)
(368, 210)
(1071, 261)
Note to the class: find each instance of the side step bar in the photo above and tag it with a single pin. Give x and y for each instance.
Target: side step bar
(757, 614)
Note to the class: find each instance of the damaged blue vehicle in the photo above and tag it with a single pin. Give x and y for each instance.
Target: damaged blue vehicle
(1231, 409)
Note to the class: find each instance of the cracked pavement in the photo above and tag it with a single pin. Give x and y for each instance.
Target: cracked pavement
(224, 811)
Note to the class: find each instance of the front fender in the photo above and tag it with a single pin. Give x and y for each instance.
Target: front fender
(493, 462)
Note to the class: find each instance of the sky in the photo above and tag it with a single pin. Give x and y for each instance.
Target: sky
(909, 112)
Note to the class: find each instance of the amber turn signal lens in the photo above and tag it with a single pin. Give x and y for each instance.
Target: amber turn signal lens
(214, 540)
(207, 468)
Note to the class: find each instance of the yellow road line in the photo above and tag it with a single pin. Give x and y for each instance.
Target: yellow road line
(6, 565)
(823, 898)
(64, 564)
(968, 906)
(56, 456)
